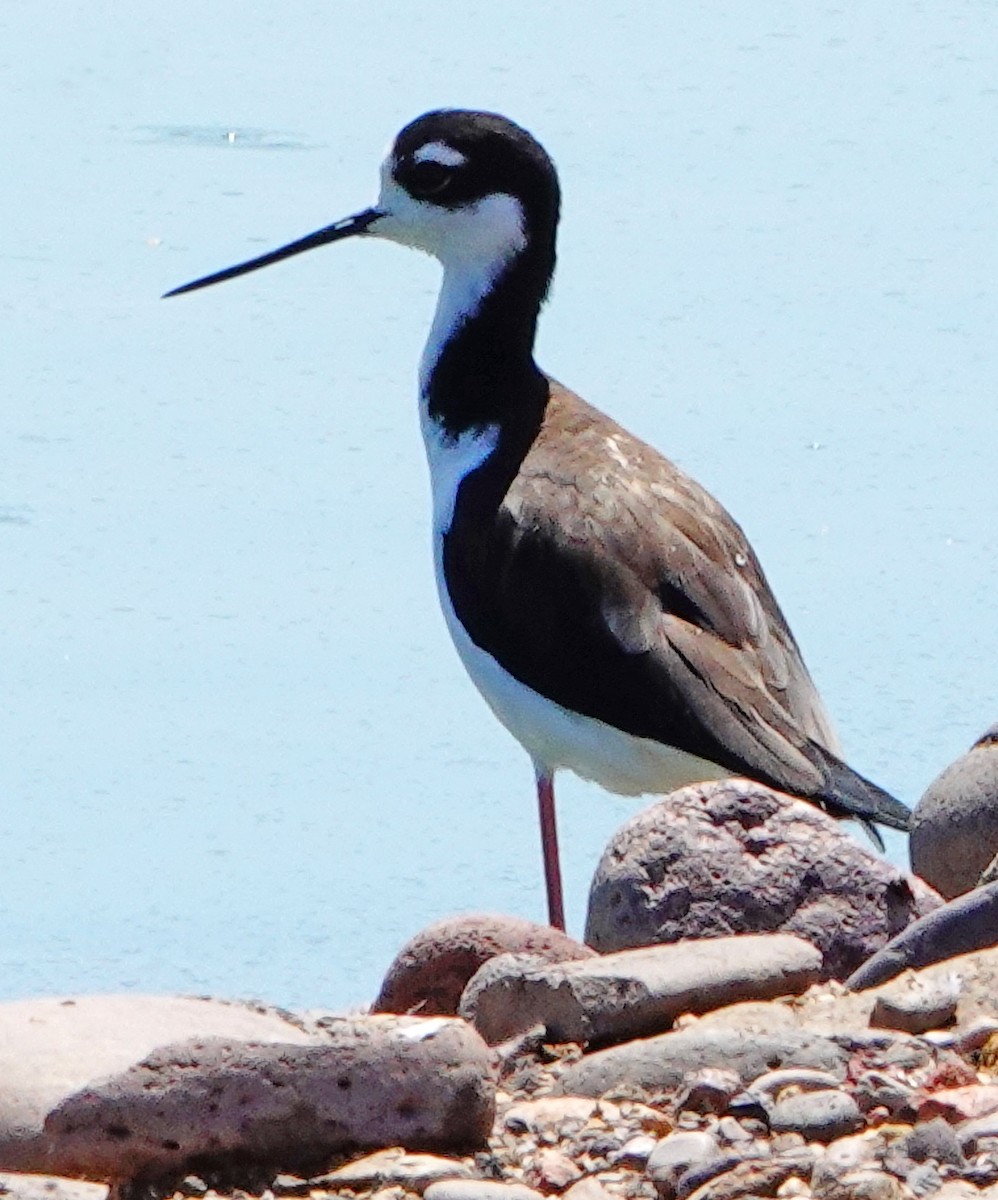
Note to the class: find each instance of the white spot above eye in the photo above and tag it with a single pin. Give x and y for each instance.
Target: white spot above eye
(440, 153)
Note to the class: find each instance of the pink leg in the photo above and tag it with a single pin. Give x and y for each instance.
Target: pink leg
(549, 844)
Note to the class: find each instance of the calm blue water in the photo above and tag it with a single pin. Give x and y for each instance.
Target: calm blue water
(239, 754)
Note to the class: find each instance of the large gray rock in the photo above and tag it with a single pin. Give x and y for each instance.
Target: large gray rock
(421, 1083)
(734, 857)
(962, 926)
(634, 993)
(431, 970)
(954, 831)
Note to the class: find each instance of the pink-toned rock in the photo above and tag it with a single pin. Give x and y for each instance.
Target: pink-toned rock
(734, 857)
(960, 1103)
(431, 970)
(552, 1171)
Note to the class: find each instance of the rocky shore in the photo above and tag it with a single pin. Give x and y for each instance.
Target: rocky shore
(841, 1046)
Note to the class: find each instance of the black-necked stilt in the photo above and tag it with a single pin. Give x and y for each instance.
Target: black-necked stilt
(609, 610)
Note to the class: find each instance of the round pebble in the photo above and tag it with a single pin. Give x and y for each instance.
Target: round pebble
(820, 1116)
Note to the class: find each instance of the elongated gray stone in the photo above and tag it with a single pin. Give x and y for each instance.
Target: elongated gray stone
(658, 1064)
(617, 997)
(420, 1083)
(962, 926)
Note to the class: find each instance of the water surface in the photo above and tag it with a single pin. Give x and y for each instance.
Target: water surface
(239, 753)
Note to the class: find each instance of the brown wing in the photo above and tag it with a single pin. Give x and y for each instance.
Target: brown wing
(694, 599)
(613, 584)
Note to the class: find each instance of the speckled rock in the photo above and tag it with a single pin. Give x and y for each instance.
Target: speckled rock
(954, 832)
(616, 997)
(51, 1049)
(419, 1083)
(431, 970)
(48, 1187)
(868, 1184)
(551, 1171)
(844, 1157)
(734, 857)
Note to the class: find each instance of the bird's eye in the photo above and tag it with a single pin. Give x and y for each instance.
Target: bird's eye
(427, 178)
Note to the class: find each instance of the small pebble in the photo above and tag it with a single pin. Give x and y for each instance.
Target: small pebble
(916, 1004)
(587, 1189)
(552, 1171)
(774, 1082)
(744, 1179)
(794, 1186)
(924, 1179)
(820, 1116)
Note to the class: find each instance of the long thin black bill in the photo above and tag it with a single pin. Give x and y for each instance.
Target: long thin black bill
(322, 237)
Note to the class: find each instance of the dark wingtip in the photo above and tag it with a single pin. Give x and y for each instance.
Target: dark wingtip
(850, 795)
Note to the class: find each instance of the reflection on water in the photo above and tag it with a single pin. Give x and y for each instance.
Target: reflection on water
(217, 137)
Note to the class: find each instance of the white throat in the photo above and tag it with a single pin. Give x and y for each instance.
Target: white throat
(473, 242)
